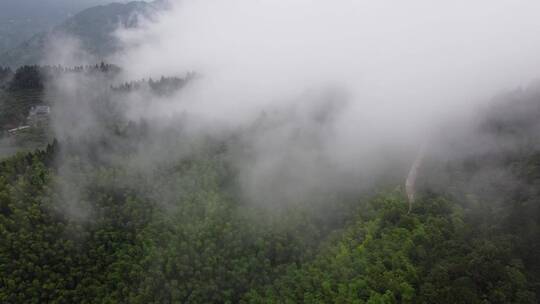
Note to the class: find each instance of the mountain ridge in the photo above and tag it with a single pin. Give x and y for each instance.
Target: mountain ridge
(92, 27)
(20, 20)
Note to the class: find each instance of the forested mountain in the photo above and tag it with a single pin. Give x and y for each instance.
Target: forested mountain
(26, 88)
(93, 27)
(22, 19)
(277, 179)
(80, 225)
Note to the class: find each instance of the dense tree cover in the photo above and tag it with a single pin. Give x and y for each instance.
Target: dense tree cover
(15, 106)
(25, 88)
(497, 182)
(78, 224)
(390, 256)
(27, 77)
(19, 92)
(5, 75)
(181, 234)
(33, 77)
(163, 86)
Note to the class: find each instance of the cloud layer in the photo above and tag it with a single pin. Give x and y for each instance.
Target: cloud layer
(330, 91)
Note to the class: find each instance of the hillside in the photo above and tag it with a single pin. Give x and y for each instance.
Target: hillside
(348, 152)
(22, 19)
(83, 226)
(93, 27)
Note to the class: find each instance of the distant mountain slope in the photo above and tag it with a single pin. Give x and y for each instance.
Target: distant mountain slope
(22, 19)
(93, 27)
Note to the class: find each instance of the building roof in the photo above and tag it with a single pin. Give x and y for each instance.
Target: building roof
(40, 110)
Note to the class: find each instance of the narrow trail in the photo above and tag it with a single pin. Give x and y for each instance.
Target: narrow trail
(410, 183)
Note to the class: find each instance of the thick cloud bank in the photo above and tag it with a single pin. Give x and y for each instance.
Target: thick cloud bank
(330, 90)
(396, 58)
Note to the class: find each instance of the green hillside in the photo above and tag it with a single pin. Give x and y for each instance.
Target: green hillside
(94, 27)
(81, 227)
(22, 19)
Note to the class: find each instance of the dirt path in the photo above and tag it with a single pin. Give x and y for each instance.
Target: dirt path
(410, 183)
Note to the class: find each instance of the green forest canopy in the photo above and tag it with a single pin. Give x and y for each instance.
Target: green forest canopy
(183, 235)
